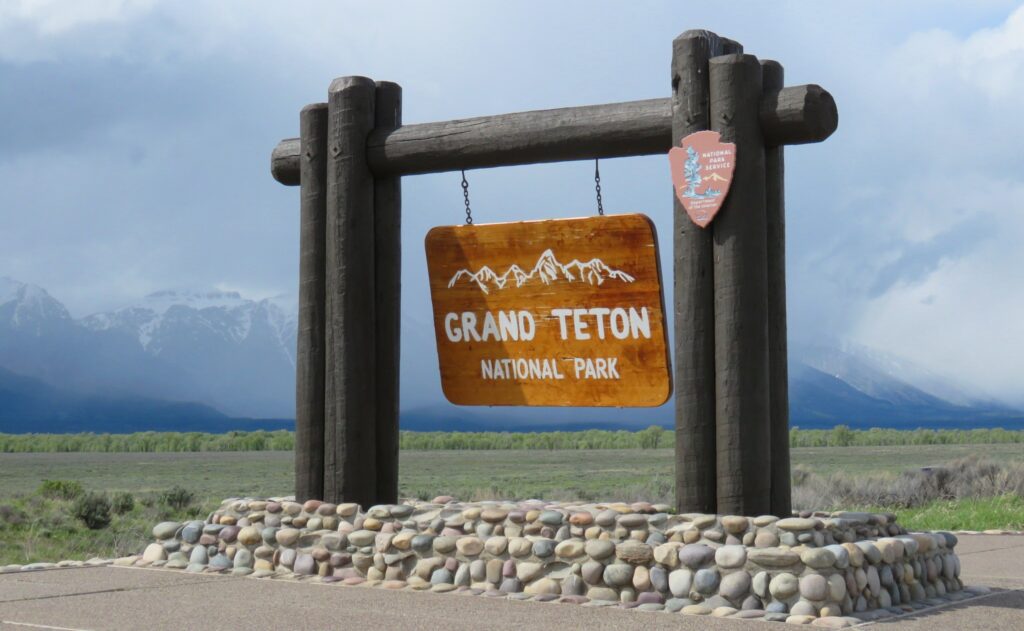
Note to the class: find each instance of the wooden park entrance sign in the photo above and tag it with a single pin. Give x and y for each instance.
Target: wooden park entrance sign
(731, 405)
(557, 312)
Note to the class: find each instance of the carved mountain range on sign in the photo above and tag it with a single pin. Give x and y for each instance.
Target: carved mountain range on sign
(546, 270)
(714, 177)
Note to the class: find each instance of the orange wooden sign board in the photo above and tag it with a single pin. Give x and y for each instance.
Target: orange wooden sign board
(561, 312)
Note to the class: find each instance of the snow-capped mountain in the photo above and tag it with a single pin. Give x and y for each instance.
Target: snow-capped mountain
(29, 308)
(40, 339)
(223, 313)
(547, 270)
(242, 350)
(212, 347)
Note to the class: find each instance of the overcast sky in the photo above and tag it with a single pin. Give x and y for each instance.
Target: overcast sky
(135, 139)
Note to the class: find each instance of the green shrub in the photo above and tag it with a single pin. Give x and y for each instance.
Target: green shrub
(61, 489)
(178, 498)
(93, 509)
(123, 503)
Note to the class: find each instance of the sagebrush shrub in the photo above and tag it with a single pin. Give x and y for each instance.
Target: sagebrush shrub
(967, 478)
(800, 474)
(93, 509)
(178, 498)
(12, 515)
(61, 489)
(123, 503)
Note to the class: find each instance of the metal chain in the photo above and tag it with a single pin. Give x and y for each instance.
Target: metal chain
(465, 194)
(597, 186)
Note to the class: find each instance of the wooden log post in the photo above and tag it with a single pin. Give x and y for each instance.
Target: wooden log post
(778, 370)
(350, 375)
(741, 332)
(387, 232)
(694, 292)
(309, 355)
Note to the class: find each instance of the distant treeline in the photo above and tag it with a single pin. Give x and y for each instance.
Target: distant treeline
(653, 437)
(650, 438)
(843, 436)
(148, 442)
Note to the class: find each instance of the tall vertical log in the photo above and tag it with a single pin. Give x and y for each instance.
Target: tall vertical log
(778, 370)
(741, 331)
(387, 231)
(350, 412)
(309, 355)
(694, 292)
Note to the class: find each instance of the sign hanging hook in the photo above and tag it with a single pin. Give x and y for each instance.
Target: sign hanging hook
(597, 186)
(465, 195)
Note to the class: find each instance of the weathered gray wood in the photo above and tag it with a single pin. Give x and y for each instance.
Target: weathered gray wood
(387, 253)
(778, 370)
(803, 114)
(596, 131)
(284, 162)
(798, 115)
(350, 391)
(741, 342)
(730, 46)
(309, 356)
(694, 292)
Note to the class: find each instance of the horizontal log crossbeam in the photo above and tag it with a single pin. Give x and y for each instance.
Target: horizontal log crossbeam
(791, 116)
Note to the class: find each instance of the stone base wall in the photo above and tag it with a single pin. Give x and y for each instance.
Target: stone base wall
(817, 564)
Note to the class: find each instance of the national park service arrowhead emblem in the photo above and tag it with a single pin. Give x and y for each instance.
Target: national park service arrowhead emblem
(702, 171)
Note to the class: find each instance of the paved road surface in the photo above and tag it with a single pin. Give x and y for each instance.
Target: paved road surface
(134, 598)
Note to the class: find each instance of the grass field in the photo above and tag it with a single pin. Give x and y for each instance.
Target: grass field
(607, 474)
(586, 474)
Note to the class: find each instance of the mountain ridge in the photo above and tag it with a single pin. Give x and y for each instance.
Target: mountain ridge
(235, 356)
(209, 346)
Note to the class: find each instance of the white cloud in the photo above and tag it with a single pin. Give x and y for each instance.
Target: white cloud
(965, 318)
(38, 30)
(56, 17)
(989, 61)
(951, 106)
